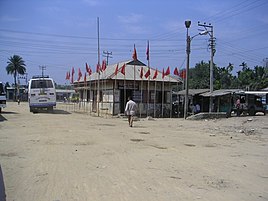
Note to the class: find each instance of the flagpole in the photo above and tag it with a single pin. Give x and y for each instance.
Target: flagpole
(163, 85)
(125, 93)
(148, 87)
(141, 95)
(85, 89)
(178, 98)
(102, 85)
(115, 88)
(154, 95)
(90, 108)
(170, 97)
(134, 57)
(98, 92)
(96, 89)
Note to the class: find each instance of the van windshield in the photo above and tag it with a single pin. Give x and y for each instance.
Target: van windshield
(41, 84)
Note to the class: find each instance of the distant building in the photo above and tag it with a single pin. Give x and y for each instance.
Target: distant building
(107, 91)
(64, 94)
(10, 91)
(61, 94)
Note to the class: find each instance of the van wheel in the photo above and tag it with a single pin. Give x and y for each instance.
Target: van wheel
(0, 109)
(251, 111)
(31, 109)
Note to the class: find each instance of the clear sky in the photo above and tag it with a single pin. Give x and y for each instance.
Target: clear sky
(61, 34)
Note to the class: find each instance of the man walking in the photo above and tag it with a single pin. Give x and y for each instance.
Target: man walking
(130, 110)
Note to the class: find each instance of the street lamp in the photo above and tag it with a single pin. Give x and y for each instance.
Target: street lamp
(188, 40)
(188, 51)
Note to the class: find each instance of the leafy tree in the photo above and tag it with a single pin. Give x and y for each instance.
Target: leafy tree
(260, 81)
(16, 66)
(247, 78)
(223, 77)
(199, 76)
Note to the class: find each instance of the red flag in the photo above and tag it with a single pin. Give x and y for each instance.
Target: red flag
(98, 68)
(103, 67)
(87, 68)
(183, 74)
(85, 78)
(134, 56)
(148, 52)
(176, 72)
(116, 70)
(123, 69)
(79, 74)
(167, 71)
(141, 73)
(72, 79)
(67, 76)
(163, 73)
(155, 74)
(89, 71)
(180, 73)
(148, 73)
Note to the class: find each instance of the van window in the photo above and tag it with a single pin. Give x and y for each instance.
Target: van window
(41, 84)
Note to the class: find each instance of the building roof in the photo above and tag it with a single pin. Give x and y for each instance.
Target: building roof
(221, 92)
(192, 92)
(133, 70)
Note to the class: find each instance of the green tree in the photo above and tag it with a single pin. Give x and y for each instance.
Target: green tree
(16, 66)
(260, 75)
(199, 76)
(223, 77)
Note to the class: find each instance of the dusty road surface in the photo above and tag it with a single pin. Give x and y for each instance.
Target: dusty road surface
(65, 156)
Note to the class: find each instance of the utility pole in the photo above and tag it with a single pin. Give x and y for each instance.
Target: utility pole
(24, 77)
(107, 55)
(42, 68)
(209, 29)
(188, 51)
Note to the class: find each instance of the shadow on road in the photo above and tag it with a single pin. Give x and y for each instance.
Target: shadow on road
(5, 112)
(2, 118)
(55, 111)
(2, 186)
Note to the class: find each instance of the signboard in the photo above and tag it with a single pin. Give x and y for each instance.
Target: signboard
(129, 85)
(137, 96)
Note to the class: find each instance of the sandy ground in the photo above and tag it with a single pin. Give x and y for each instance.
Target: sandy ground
(64, 156)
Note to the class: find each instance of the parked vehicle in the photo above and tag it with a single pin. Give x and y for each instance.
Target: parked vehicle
(41, 93)
(249, 104)
(3, 98)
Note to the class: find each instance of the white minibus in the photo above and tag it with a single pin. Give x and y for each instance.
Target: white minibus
(41, 93)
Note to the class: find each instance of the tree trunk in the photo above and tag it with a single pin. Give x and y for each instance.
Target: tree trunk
(15, 88)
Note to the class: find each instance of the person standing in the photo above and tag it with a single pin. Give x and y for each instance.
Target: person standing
(238, 112)
(130, 110)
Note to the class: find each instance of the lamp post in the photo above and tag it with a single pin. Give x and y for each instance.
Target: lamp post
(188, 40)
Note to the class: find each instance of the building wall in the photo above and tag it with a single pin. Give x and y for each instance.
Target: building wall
(113, 96)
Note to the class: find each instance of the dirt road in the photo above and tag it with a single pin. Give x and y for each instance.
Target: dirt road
(64, 156)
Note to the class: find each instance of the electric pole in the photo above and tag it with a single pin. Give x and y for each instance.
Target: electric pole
(209, 29)
(107, 55)
(42, 68)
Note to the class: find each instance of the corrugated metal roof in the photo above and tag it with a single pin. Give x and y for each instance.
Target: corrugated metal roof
(221, 92)
(131, 72)
(192, 92)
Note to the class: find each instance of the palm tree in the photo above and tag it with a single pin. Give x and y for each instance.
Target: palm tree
(16, 66)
